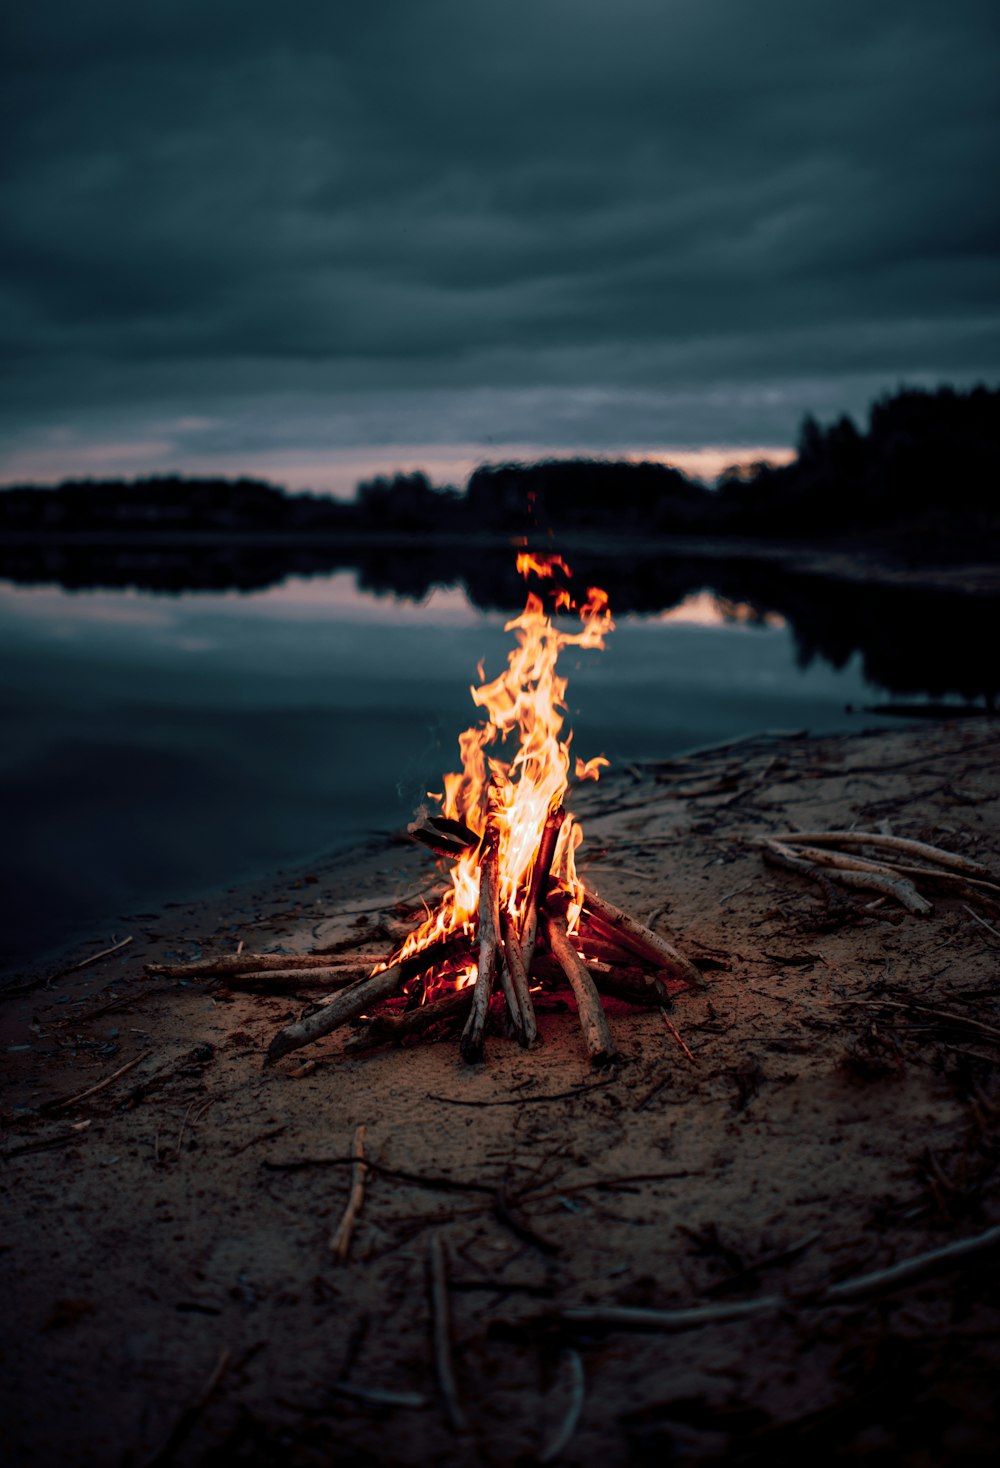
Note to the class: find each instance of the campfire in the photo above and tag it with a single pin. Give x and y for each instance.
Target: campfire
(515, 919)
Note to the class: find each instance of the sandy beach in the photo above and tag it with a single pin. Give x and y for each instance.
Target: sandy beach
(827, 1106)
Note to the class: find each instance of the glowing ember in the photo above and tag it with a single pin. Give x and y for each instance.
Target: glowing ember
(515, 769)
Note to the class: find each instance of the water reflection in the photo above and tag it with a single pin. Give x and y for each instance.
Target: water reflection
(158, 745)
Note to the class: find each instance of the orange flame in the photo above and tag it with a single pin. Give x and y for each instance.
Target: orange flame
(524, 709)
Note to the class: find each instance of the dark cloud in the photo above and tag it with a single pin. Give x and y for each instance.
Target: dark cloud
(642, 223)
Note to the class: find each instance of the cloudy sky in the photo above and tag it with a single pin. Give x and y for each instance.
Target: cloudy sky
(312, 240)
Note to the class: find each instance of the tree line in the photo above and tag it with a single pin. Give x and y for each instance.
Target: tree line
(924, 470)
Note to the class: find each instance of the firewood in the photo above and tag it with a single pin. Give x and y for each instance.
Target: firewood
(649, 945)
(592, 1018)
(384, 1028)
(539, 884)
(520, 979)
(298, 979)
(489, 924)
(248, 963)
(347, 1006)
(593, 944)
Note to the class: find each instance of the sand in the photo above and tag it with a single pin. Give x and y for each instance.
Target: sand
(841, 1112)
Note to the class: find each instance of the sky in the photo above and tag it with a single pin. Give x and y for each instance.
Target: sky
(316, 241)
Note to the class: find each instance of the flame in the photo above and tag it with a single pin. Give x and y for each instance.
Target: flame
(516, 765)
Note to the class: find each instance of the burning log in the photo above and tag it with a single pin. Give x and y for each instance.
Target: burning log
(383, 1028)
(620, 927)
(360, 997)
(489, 931)
(521, 981)
(539, 883)
(592, 1019)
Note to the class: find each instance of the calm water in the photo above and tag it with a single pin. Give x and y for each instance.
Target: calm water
(154, 746)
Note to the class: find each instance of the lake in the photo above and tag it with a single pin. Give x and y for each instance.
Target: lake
(159, 745)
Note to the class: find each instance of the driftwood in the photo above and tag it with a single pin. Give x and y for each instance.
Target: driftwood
(592, 1018)
(859, 1287)
(901, 844)
(851, 872)
(489, 941)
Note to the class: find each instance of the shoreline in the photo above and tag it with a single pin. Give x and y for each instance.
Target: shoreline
(834, 1052)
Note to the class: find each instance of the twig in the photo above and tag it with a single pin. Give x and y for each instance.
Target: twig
(593, 1021)
(949, 1016)
(189, 1417)
(890, 843)
(101, 1085)
(441, 1329)
(274, 1131)
(904, 1270)
(501, 1207)
(877, 880)
(861, 1285)
(677, 1036)
(94, 958)
(250, 963)
(982, 921)
(574, 1409)
(340, 1243)
(377, 1397)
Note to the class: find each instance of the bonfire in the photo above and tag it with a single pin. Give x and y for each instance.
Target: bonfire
(515, 917)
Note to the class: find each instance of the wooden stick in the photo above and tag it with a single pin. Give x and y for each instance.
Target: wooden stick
(890, 843)
(188, 1419)
(225, 964)
(489, 921)
(301, 979)
(101, 1085)
(528, 1035)
(347, 1006)
(385, 1028)
(441, 1329)
(363, 995)
(869, 881)
(860, 1286)
(377, 1397)
(538, 885)
(594, 944)
(340, 1243)
(641, 940)
(574, 1409)
(592, 1018)
(95, 957)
